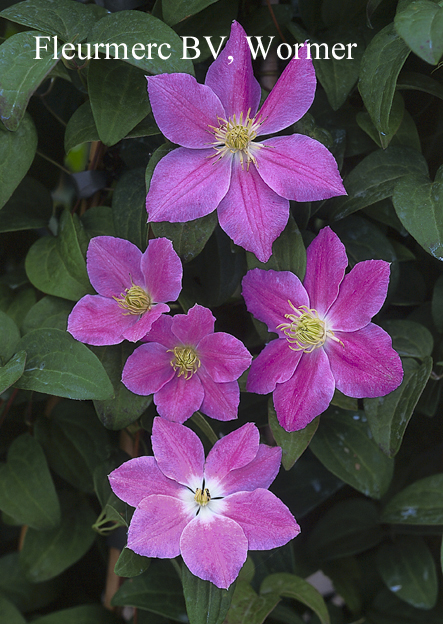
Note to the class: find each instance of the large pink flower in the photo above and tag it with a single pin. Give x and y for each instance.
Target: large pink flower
(326, 339)
(209, 512)
(221, 165)
(132, 290)
(188, 366)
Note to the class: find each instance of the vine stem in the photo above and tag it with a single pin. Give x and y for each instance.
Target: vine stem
(205, 427)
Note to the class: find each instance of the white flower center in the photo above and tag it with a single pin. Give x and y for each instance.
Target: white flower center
(135, 301)
(306, 331)
(237, 137)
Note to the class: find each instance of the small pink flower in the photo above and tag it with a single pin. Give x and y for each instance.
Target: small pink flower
(326, 339)
(187, 366)
(132, 290)
(221, 164)
(209, 512)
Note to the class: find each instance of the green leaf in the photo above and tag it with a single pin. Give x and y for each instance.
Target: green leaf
(421, 27)
(419, 206)
(174, 11)
(29, 207)
(81, 128)
(346, 577)
(83, 614)
(9, 337)
(205, 602)
(98, 221)
(48, 312)
(389, 416)
(46, 554)
(395, 120)
(130, 564)
(12, 371)
(129, 208)
(420, 82)
(68, 20)
(56, 265)
(21, 304)
(130, 28)
(188, 238)
(348, 528)
(157, 590)
(9, 612)
(407, 568)
(57, 364)
(291, 586)
(419, 503)
(125, 407)
(27, 492)
(24, 595)
(292, 443)
(344, 445)
(17, 150)
(381, 63)
(437, 304)
(118, 96)
(249, 608)
(376, 176)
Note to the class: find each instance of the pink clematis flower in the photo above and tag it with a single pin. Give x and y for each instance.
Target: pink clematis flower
(132, 290)
(188, 366)
(221, 165)
(325, 337)
(209, 512)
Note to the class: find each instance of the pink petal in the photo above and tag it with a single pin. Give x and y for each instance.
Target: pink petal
(157, 525)
(224, 357)
(113, 265)
(365, 365)
(266, 294)
(291, 97)
(163, 271)
(326, 262)
(99, 321)
(362, 294)
(179, 398)
(275, 364)
(265, 520)
(307, 394)
(231, 77)
(300, 168)
(187, 184)
(259, 473)
(220, 400)
(161, 332)
(141, 477)
(139, 330)
(148, 369)
(184, 109)
(251, 213)
(179, 452)
(233, 451)
(214, 549)
(190, 328)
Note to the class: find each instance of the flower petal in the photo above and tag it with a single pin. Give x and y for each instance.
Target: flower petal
(179, 398)
(157, 525)
(307, 394)
(178, 452)
(139, 330)
(224, 357)
(184, 109)
(365, 365)
(161, 332)
(214, 549)
(190, 328)
(148, 369)
(265, 520)
(233, 451)
(112, 263)
(99, 321)
(141, 477)
(266, 294)
(300, 168)
(187, 184)
(251, 213)
(291, 97)
(162, 270)
(231, 77)
(259, 473)
(220, 400)
(326, 262)
(362, 294)
(275, 364)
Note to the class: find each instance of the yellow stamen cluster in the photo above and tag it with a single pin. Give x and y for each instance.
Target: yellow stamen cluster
(305, 331)
(185, 361)
(202, 496)
(136, 300)
(236, 137)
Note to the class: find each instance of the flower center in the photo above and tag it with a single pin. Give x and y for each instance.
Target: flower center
(185, 361)
(136, 300)
(306, 331)
(202, 496)
(236, 137)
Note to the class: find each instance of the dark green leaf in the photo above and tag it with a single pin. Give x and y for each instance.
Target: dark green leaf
(437, 304)
(81, 128)
(12, 371)
(25, 595)
(9, 337)
(410, 339)
(9, 612)
(394, 123)
(291, 586)
(17, 150)
(249, 608)
(83, 614)
(420, 82)
(48, 312)
(98, 221)
(388, 609)
(421, 27)
(27, 492)
(130, 564)
(29, 207)
(174, 11)
(57, 364)
(23, 301)
(292, 443)
(205, 603)
(346, 576)
(408, 570)
(188, 238)
(129, 208)
(419, 503)
(344, 445)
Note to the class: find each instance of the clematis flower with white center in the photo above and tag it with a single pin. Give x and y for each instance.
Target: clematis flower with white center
(221, 164)
(325, 337)
(209, 512)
